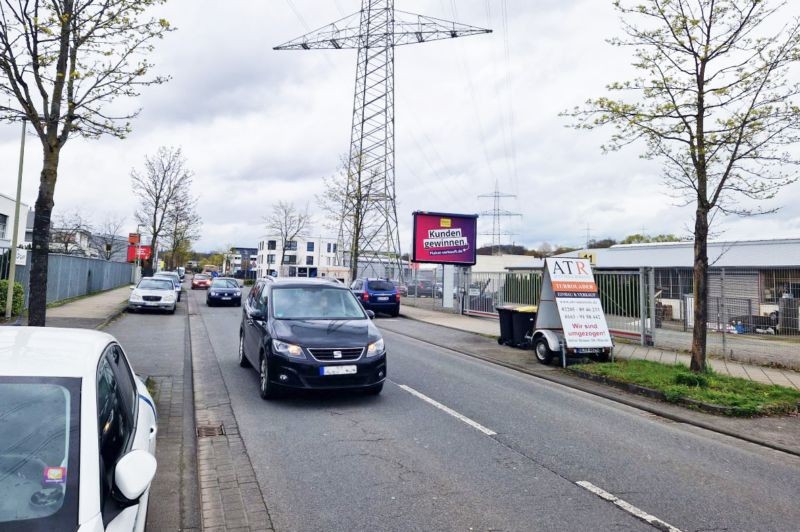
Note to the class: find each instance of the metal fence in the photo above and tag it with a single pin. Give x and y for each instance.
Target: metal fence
(70, 276)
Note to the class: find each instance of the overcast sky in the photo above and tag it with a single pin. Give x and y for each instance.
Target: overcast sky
(258, 126)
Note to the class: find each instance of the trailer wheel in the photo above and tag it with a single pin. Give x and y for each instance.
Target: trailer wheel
(543, 353)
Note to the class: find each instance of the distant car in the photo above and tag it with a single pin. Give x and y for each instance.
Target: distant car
(224, 291)
(181, 272)
(176, 281)
(421, 289)
(377, 295)
(201, 280)
(78, 438)
(401, 288)
(153, 293)
(310, 334)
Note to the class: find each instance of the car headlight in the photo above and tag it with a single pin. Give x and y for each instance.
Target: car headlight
(376, 348)
(286, 349)
(136, 297)
(237, 293)
(168, 297)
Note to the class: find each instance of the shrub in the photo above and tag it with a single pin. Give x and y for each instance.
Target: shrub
(691, 379)
(18, 300)
(249, 282)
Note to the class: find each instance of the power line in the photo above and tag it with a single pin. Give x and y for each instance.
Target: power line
(497, 214)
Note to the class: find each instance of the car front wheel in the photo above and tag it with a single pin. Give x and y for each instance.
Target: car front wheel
(243, 362)
(265, 389)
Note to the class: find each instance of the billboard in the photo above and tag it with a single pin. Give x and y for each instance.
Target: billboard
(145, 252)
(444, 238)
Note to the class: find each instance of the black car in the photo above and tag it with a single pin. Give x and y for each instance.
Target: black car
(310, 334)
(224, 291)
(377, 295)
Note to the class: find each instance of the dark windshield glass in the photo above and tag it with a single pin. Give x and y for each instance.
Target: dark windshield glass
(315, 302)
(156, 284)
(224, 283)
(380, 285)
(39, 453)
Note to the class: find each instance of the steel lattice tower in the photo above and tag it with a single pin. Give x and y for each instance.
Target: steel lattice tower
(369, 214)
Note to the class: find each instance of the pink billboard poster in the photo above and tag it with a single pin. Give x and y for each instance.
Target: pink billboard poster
(444, 238)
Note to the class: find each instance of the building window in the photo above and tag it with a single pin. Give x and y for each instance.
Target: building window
(270, 259)
(271, 244)
(290, 259)
(310, 246)
(3, 224)
(309, 260)
(333, 247)
(328, 248)
(291, 245)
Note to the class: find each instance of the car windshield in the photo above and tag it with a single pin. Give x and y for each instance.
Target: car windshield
(39, 452)
(224, 283)
(156, 284)
(201, 276)
(315, 302)
(380, 285)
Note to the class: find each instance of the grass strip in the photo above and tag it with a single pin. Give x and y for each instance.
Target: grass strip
(678, 383)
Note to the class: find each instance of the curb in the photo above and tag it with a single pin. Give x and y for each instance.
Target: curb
(563, 380)
(114, 315)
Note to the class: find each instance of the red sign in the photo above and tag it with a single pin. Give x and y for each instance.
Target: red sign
(133, 238)
(144, 252)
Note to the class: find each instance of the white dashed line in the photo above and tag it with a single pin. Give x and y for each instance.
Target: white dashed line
(447, 410)
(631, 509)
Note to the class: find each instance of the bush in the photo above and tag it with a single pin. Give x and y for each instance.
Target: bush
(692, 379)
(18, 300)
(249, 282)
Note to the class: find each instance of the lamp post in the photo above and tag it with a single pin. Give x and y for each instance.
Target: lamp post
(12, 256)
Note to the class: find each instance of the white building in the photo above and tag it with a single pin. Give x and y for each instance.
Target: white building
(303, 257)
(7, 205)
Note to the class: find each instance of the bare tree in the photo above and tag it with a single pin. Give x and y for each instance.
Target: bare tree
(288, 223)
(164, 185)
(106, 239)
(63, 64)
(68, 227)
(713, 102)
(182, 227)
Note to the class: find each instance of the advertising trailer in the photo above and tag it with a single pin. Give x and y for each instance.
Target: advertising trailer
(445, 238)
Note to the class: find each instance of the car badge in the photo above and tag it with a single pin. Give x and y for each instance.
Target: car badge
(337, 354)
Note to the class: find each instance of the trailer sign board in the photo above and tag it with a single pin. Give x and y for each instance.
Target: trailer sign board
(579, 308)
(442, 238)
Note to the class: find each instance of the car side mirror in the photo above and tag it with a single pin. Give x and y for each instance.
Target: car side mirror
(133, 288)
(134, 473)
(371, 314)
(257, 314)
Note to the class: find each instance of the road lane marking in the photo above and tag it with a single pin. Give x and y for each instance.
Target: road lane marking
(628, 507)
(440, 406)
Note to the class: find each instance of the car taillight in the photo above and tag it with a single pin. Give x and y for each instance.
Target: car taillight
(397, 296)
(365, 296)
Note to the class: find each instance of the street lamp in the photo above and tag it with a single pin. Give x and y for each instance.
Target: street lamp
(12, 256)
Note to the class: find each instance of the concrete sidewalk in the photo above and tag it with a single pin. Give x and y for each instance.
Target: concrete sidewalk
(490, 327)
(90, 312)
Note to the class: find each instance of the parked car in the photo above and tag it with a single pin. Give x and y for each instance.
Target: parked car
(77, 445)
(401, 288)
(176, 281)
(310, 334)
(153, 293)
(201, 280)
(224, 291)
(377, 295)
(421, 288)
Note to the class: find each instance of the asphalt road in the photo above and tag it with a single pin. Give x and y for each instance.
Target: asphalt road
(398, 462)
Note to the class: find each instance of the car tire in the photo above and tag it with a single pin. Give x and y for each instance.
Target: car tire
(172, 310)
(208, 303)
(243, 362)
(375, 389)
(239, 303)
(603, 357)
(542, 351)
(265, 388)
(395, 312)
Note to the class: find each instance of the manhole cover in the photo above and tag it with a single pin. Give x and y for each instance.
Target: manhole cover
(207, 431)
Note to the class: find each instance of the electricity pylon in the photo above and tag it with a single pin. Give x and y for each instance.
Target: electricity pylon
(497, 213)
(374, 32)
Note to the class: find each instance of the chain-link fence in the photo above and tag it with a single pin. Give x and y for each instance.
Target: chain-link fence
(70, 276)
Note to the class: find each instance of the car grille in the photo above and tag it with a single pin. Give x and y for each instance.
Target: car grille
(151, 298)
(326, 354)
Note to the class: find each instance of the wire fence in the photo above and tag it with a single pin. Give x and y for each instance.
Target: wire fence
(70, 276)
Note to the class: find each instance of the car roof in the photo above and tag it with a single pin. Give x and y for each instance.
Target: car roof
(305, 281)
(166, 273)
(51, 351)
(153, 278)
(225, 279)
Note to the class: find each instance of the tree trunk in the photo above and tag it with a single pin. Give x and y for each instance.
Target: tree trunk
(700, 290)
(37, 304)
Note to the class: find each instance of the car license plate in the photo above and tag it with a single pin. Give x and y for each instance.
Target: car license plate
(383, 298)
(587, 350)
(226, 299)
(337, 370)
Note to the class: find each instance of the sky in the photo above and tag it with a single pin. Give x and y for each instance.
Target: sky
(258, 126)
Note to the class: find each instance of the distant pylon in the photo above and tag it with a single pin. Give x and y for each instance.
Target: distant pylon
(369, 215)
(496, 213)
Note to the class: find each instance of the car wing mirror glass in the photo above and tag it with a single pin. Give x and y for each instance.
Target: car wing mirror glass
(257, 314)
(134, 473)
(370, 314)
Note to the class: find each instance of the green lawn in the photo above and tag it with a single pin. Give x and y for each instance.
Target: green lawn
(678, 382)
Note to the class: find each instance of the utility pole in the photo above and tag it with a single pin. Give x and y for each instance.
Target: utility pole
(375, 31)
(497, 213)
(12, 255)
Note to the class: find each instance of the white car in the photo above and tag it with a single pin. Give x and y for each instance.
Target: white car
(77, 433)
(153, 293)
